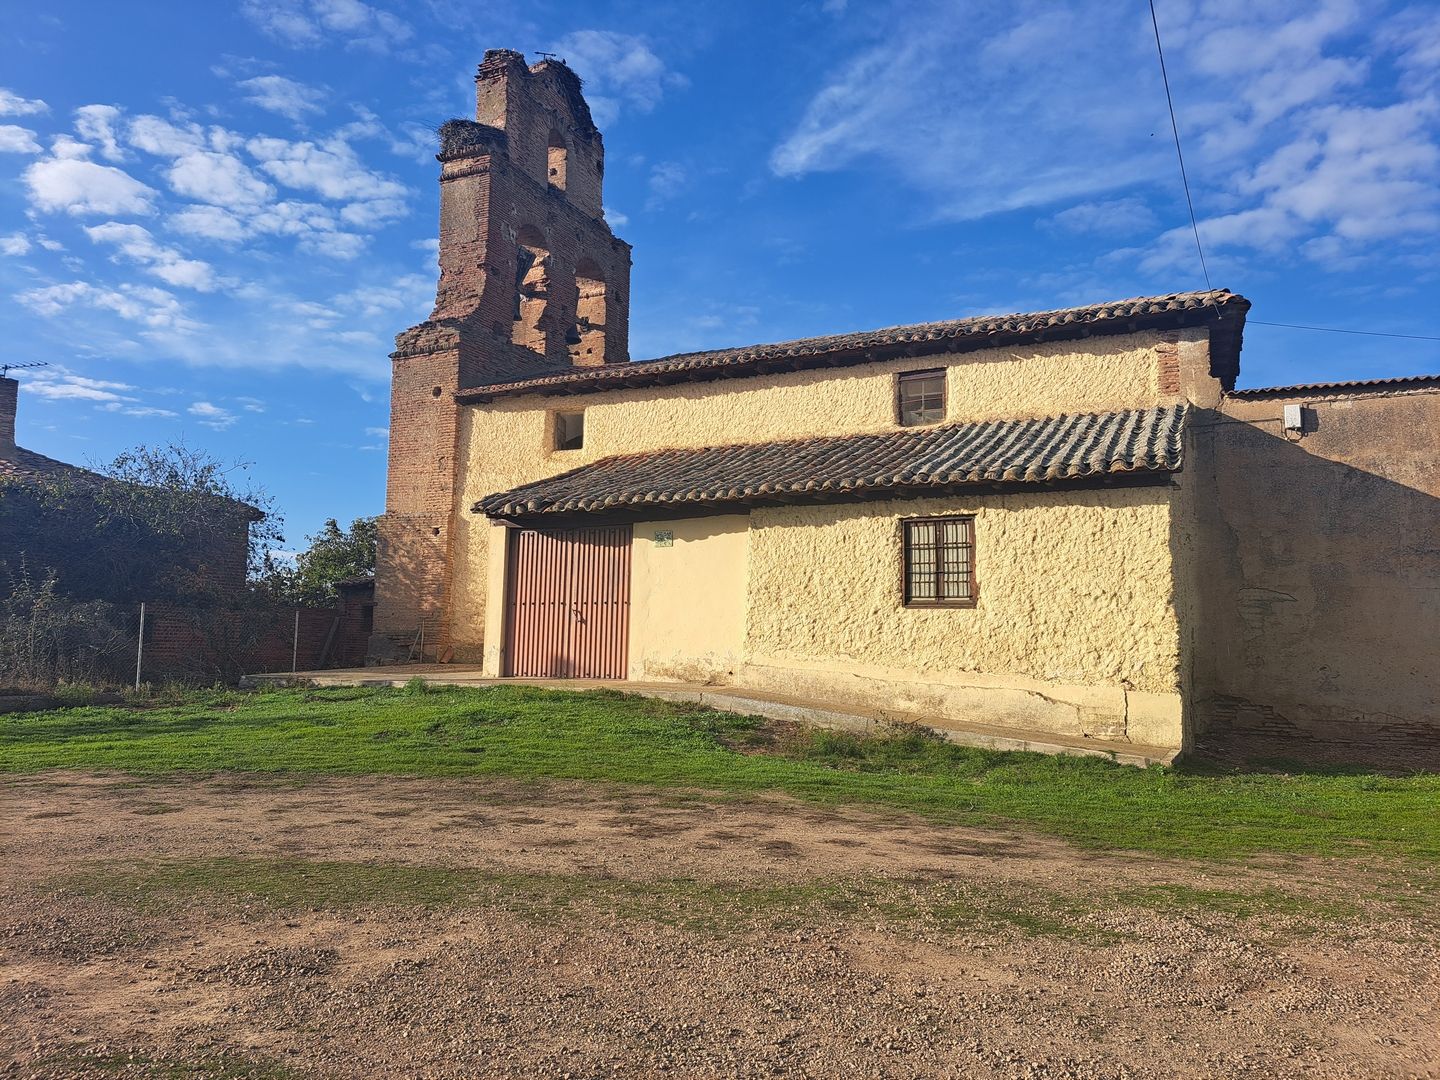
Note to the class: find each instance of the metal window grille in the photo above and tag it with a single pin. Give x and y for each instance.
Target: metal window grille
(921, 398)
(569, 431)
(940, 562)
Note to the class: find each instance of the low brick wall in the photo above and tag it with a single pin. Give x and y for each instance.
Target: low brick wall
(224, 644)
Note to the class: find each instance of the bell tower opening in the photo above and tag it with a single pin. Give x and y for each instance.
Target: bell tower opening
(586, 339)
(558, 156)
(532, 290)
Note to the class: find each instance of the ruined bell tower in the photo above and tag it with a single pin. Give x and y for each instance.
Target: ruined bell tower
(531, 281)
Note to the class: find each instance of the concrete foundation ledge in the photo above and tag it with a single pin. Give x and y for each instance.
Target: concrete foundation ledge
(748, 702)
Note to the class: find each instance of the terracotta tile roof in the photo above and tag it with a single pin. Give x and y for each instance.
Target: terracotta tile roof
(17, 463)
(25, 466)
(1221, 307)
(1410, 382)
(910, 461)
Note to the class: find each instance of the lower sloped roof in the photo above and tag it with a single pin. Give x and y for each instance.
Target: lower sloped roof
(910, 461)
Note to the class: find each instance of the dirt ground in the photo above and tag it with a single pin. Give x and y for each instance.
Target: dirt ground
(608, 933)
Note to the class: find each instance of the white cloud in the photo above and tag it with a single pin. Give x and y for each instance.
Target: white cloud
(1308, 129)
(217, 178)
(286, 97)
(151, 307)
(405, 292)
(160, 137)
(621, 71)
(144, 411)
(204, 166)
(15, 244)
(970, 106)
(415, 141)
(330, 169)
(12, 104)
(1113, 217)
(59, 384)
(169, 265)
(17, 140)
(98, 123)
(334, 245)
(308, 23)
(76, 186)
(211, 415)
(209, 223)
(667, 179)
(378, 432)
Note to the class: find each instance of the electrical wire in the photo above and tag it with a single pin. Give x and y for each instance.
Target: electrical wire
(1179, 154)
(1195, 225)
(1337, 330)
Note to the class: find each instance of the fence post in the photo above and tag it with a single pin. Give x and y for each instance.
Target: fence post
(140, 647)
(295, 645)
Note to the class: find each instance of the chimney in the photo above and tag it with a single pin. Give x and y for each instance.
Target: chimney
(9, 389)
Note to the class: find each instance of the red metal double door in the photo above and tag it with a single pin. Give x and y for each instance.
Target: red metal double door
(568, 614)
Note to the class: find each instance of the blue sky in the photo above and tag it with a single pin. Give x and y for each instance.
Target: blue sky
(214, 217)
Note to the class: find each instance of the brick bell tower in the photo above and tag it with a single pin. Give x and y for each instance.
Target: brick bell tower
(531, 280)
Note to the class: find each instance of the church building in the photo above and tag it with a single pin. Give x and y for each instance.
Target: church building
(1065, 522)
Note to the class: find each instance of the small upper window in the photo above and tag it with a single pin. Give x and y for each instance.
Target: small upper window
(921, 397)
(939, 562)
(557, 158)
(569, 430)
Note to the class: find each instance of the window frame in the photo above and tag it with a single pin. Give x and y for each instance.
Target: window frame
(556, 419)
(903, 377)
(906, 599)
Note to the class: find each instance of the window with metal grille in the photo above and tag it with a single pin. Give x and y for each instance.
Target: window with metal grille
(569, 430)
(920, 397)
(939, 562)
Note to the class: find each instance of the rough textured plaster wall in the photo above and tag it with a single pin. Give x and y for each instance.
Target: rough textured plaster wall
(1322, 615)
(1074, 587)
(507, 443)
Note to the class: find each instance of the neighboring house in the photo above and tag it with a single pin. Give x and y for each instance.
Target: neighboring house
(201, 621)
(1065, 521)
(87, 561)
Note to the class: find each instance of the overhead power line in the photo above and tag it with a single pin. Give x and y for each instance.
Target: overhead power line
(1179, 154)
(1337, 330)
(1195, 225)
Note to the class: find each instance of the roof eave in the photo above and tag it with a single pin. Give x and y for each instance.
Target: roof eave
(1226, 320)
(666, 509)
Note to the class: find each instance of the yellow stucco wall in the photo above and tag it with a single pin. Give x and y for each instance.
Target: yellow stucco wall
(1074, 631)
(506, 443)
(687, 600)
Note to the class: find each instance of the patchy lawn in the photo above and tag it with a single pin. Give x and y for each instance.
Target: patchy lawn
(536, 734)
(249, 926)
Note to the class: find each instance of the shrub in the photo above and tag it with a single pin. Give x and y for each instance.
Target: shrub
(46, 639)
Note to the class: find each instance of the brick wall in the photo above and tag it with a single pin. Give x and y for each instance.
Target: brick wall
(504, 225)
(183, 643)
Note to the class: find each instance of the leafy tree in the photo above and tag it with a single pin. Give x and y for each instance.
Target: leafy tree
(334, 555)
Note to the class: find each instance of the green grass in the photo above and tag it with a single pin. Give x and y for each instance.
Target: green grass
(1194, 903)
(1028, 910)
(539, 734)
(283, 884)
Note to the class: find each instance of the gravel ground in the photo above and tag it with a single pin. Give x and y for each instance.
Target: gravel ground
(596, 932)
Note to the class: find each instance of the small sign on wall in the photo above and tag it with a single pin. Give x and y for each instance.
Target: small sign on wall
(664, 538)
